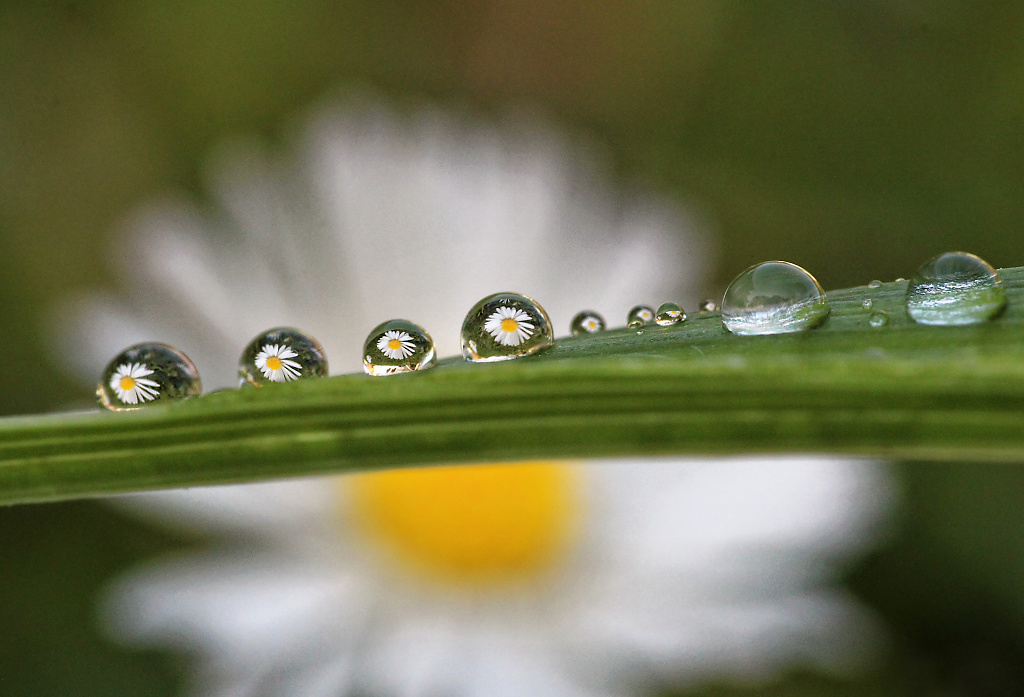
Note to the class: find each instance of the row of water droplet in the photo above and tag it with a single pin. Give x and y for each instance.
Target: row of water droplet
(773, 297)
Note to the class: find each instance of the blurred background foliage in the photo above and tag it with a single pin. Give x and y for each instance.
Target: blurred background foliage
(856, 138)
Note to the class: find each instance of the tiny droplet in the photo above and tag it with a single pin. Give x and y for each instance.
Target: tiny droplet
(504, 326)
(867, 303)
(954, 289)
(669, 314)
(774, 297)
(875, 284)
(282, 354)
(397, 346)
(709, 306)
(878, 319)
(587, 322)
(639, 316)
(146, 374)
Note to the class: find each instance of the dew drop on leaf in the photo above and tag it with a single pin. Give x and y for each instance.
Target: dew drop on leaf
(639, 316)
(709, 306)
(878, 319)
(955, 288)
(867, 303)
(504, 326)
(397, 346)
(669, 314)
(146, 374)
(282, 354)
(586, 322)
(774, 297)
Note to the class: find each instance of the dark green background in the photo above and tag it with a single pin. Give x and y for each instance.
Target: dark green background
(856, 138)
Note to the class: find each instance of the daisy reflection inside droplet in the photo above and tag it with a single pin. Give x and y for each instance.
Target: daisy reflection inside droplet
(146, 374)
(586, 322)
(639, 316)
(281, 355)
(504, 326)
(397, 346)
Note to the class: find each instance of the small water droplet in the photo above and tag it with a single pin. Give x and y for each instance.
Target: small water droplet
(504, 326)
(900, 280)
(774, 297)
(867, 303)
(397, 346)
(669, 314)
(709, 306)
(282, 354)
(639, 316)
(146, 374)
(878, 319)
(875, 284)
(587, 322)
(954, 289)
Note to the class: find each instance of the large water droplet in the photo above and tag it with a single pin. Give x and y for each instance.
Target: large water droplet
(955, 288)
(587, 322)
(505, 326)
(668, 314)
(281, 355)
(146, 374)
(639, 316)
(774, 297)
(397, 346)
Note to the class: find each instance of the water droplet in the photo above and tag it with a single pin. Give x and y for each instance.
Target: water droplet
(900, 280)
(875, 284)
(709, 306)
(878, 319)
(669, 314)
(397, 346)
(774, 297)
(505, 326)
(867, 303)
(639, 316)
(146, 374)
(587, 322)
(281, 355)
(955, 288)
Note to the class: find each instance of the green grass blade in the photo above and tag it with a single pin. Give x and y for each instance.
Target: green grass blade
(900, 391)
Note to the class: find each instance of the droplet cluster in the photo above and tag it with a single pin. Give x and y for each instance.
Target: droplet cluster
(774, 297)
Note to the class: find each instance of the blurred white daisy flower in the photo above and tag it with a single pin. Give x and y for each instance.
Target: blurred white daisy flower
(545, 579)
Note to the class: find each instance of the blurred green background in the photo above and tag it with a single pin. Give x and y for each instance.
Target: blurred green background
(856, 138)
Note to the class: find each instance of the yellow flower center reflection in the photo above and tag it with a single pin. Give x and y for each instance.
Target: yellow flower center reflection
(127, 383)
(509, 325)
(394, 344)
(480, 524)
(274, 363)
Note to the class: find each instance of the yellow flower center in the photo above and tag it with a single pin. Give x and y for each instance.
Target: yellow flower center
(394, 344)
(509, 325)
(274, 363)
(480, 524)
(127, 383)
